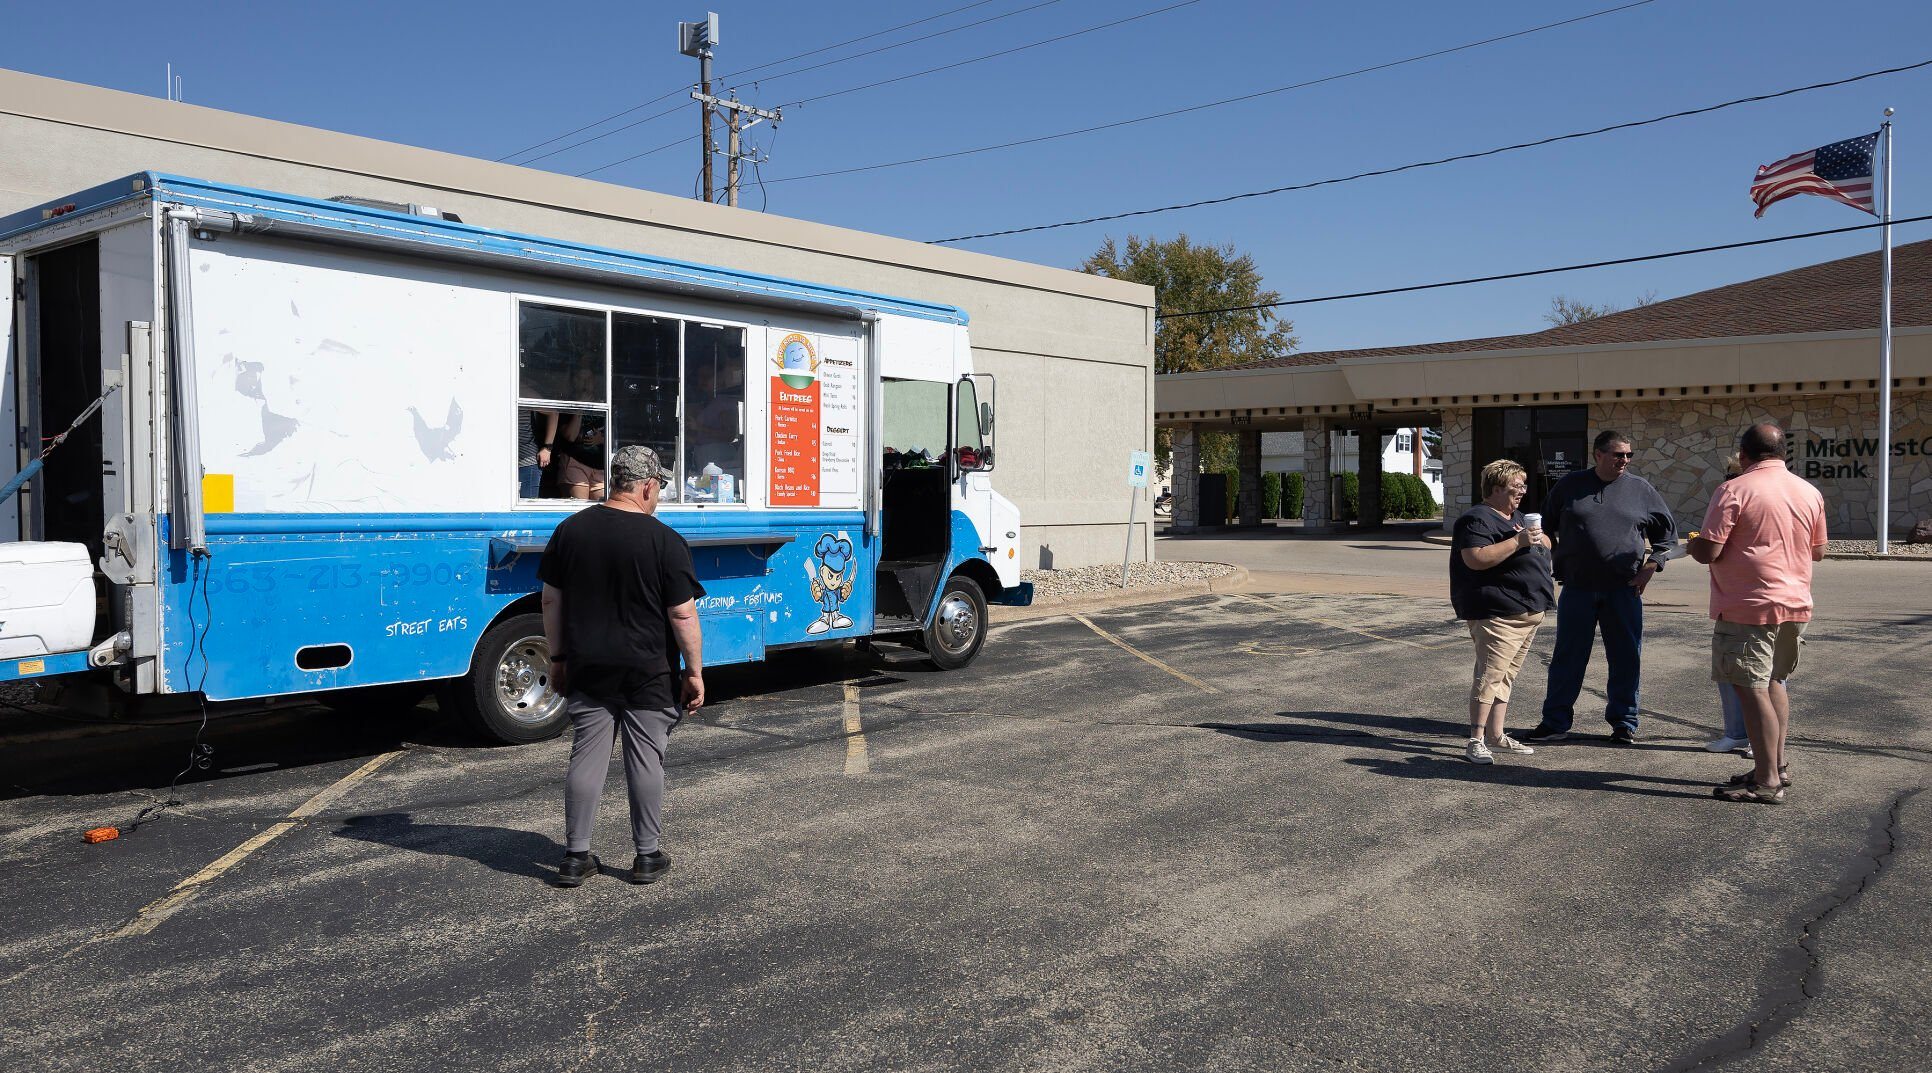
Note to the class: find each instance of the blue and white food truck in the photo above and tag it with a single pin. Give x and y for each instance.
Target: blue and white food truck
(335, 436)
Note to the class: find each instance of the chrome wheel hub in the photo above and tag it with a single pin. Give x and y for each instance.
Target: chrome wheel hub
(957, 624)
(523, 683)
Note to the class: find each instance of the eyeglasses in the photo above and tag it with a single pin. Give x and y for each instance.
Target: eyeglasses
(1625, 455)
(1518, 490)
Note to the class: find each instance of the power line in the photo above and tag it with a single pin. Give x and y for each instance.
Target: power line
(881, 33)
(902, 78)
(991, 55)
(1434, 163)
(598, 123)
(1539, 271)
(1214, 104)
(673, 110)
(672, 93)
(897, 44)
(639, 156)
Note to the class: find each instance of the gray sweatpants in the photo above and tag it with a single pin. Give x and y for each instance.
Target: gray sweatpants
(645, 732)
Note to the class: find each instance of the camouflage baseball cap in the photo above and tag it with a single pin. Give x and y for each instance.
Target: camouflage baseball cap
(635, 463)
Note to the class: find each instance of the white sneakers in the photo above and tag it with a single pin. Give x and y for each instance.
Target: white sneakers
(1476, 752)
(1730, 745)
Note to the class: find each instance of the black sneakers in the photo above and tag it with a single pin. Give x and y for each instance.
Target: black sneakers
(1623, 736)
(575, 870)
(1544, 734)
(649, 866)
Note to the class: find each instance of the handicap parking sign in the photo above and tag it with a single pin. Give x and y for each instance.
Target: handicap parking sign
(1138, 465)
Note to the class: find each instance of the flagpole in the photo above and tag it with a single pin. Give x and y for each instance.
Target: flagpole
(1885, 358)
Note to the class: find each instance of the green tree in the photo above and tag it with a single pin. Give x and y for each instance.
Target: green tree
(1187, 277)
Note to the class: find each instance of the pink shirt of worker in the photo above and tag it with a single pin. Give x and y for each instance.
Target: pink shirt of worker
(1768, 520)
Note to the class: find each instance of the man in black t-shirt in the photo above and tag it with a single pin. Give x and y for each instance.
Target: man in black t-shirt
(619, 604)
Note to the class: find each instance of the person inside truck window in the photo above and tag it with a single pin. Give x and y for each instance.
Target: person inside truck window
(581, 439)
(536, 431)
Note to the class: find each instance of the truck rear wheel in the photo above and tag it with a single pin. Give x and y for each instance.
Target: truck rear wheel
(507, 695)
(958, 627)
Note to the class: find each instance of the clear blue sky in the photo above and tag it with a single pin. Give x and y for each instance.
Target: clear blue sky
(485, 78)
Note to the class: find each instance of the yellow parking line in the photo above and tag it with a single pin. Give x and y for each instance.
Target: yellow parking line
(154, 913)
(857, 762)
(1182, 675)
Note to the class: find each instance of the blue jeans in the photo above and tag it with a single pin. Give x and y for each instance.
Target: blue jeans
(1580, 613)
(529, 479)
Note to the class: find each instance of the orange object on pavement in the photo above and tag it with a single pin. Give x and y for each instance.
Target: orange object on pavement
(102, 834)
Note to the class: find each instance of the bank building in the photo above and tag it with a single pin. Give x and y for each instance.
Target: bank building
(1680, 377)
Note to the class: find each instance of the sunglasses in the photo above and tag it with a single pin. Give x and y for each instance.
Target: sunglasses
(1625, 455)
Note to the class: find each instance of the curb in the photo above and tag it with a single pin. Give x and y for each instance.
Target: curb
(1055, 606)
(1439, 536)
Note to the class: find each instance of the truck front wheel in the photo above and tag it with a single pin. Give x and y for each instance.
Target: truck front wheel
(958, 627)
(506, 695)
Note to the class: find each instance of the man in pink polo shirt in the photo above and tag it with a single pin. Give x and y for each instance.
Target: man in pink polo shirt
(1762, 532)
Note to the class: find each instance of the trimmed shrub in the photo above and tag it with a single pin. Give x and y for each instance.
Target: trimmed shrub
(1271, 495)
(1404, 495)
(1292, 495)
(1426, 505)
(1234, 494)
(1407, 497)
(1351, 496)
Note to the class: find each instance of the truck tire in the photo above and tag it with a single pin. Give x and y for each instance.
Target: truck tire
(506, 696)
(958, 626)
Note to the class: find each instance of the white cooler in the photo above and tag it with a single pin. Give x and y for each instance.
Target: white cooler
(46, 599)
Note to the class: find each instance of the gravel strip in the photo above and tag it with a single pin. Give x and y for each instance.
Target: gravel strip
(1870, 547)
(1089, 579)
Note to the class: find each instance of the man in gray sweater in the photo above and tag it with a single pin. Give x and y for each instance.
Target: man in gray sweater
(1608, 524)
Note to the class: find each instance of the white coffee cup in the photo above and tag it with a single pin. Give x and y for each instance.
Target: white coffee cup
(1533, 521)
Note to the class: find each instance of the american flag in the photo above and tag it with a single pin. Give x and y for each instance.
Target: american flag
(1841, 170)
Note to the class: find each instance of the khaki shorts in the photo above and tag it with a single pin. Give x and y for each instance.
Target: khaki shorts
(1501, 646)
(575, 473)
(1745, 654)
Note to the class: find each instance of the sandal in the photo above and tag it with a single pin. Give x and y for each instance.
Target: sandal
(1749, 792)
(1784, 776)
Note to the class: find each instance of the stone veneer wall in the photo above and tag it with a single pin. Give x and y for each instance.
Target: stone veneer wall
(1682, 445)
(1458, 461)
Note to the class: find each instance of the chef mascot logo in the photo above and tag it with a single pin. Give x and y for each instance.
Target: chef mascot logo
(832, 574)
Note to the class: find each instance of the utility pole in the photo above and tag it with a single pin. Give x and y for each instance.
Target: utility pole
(736, 126)
(698, 39)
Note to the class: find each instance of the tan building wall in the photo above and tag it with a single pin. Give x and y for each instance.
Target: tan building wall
(1073, 353)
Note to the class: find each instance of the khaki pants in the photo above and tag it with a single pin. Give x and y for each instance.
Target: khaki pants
(1502, 644)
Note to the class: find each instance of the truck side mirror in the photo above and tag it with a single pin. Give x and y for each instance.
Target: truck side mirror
(985, 419)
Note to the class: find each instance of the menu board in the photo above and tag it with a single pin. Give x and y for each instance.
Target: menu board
(839, 422)
(815, 421)
(795, 421)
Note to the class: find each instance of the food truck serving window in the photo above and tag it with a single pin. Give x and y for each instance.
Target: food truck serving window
(592, 380)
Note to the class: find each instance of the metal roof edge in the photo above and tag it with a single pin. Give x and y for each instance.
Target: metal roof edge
(1646, 344)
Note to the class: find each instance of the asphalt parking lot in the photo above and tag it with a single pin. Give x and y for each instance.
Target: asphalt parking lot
(1229, 832)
